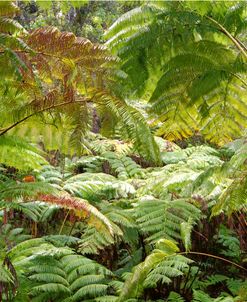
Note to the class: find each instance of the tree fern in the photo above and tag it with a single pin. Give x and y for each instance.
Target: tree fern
(41, 191)
(53, 49)
(124, 228)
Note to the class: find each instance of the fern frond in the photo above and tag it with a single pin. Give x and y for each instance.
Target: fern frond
(156, 267)
(82, 209)
(234, 197)
(18, 153)
(199, 296)
(186, 228)
(95, 186)
(93, 242)
(161, 219)
(11, 190)
(9, 26)
(175, 297)
(134, 126)
(124, 166)
(8, 8)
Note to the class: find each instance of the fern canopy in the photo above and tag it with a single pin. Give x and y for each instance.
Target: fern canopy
(187, 60)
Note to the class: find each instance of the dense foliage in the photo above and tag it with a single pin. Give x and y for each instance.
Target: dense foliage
(96, 201)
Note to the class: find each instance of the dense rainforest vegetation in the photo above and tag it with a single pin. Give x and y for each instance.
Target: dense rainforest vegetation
(123, 151)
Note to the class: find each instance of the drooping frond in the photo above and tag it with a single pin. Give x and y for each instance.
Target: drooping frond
(133, 125)
(124, 227)
(82, 210)
(212, 88)
(20, 154)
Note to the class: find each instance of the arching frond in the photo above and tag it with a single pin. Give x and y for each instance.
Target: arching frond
(82, 209)
(20, 154)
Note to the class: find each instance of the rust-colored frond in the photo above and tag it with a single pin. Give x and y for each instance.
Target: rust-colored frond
(67, 55)
(41, 63)
(50, 40)
(59, 70)
(82, 209)
(80, 47)
(50, 99)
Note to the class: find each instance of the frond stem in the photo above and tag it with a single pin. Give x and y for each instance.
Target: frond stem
(226, 32)
(238, 77)
(62, 226)
(3, 131)
(213, 256)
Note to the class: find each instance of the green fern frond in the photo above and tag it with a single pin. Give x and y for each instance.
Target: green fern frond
(212, 280)
(193, 77)
(166, 270)
(234, 197)
(175, 297)
(186, 229)
(18, 153)
(8, 8)
(237, 287)
(96, 186)
(229, 242)
(134, 126)
(93, 241)
(199, 296)
(161, 264)
(9, 26)
(11, 190)
(124, 166)
(161, 219)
